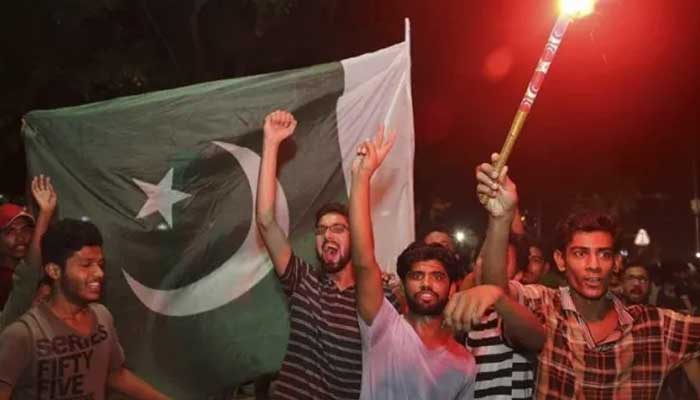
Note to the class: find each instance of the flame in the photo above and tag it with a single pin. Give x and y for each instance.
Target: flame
(577, 8)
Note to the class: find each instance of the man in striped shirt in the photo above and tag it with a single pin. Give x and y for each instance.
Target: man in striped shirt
(324, 354)
(596, 347)
(505, 371)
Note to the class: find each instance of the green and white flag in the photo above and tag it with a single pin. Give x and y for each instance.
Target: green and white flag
(170, 177)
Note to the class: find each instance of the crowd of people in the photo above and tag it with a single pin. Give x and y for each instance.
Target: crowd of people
(523, 320)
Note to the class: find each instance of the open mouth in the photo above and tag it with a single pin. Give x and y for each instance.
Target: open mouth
(330, 250)
(94, 287)
(426, 296)
(593, 282)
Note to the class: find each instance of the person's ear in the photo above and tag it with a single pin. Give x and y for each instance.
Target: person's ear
(559, 260)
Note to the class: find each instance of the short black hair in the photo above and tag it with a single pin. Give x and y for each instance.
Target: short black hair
(522, 244)
(437, 228)
(66, 237)
(45, 280)
(638, 262)
(332, 208)
(585, 220)
(419, 251)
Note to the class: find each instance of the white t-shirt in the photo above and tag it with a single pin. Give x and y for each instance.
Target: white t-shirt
(397, 365)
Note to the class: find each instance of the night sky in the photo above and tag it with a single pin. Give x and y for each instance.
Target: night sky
(617, 116)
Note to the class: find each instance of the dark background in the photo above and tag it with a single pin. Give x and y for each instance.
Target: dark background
(616, 122)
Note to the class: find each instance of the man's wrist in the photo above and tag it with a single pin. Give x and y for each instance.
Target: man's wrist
(506, 217)
(46, 210)
(501, 299)
(271, 141)
(363, 174)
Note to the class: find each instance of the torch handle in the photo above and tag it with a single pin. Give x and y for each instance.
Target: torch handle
(508, 145)
(512, 137)
(550, 50)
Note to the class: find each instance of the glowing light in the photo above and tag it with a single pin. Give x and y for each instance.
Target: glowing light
(642, 238)
(460, 236)
(697, 254)
(577, 8)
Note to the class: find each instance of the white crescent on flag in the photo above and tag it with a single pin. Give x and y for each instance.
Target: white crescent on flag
(236, 275)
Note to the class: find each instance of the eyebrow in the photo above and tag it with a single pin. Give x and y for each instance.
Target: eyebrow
(591, 248)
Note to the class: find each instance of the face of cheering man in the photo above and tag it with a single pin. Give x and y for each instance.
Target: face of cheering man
(427, 287)
(333, 242)
(587, 261)
(80, 280)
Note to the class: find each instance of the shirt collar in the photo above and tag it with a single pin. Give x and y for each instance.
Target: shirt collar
(624, 317)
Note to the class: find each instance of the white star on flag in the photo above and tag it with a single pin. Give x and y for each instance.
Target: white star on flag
(161, 197)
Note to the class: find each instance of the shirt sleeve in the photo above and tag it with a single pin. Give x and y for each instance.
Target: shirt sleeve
(682, 336)
(24, 282)
(15, 353)
(297, 269)
(382, 323)
(392, 297)
(537, 298)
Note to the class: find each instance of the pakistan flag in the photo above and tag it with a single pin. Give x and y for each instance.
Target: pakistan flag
(170, 178)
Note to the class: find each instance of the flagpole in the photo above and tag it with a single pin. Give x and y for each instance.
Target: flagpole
(402, 82)
(407, 31)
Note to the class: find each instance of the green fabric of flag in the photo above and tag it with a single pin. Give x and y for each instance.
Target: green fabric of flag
(169, 178)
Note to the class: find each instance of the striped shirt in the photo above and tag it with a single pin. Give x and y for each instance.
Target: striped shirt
(630, 364)
(503, 373)
(324, 353)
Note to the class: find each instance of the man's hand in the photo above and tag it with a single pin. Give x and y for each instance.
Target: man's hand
(371, 153)
(390, 280)
(279, 125)
(43, 193)
(467, 308)
(497, 193)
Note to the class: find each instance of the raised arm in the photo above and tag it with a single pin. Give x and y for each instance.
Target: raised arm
(46, 199)
(500, 200)
(467, 307)
(368, 279)
(278, 126)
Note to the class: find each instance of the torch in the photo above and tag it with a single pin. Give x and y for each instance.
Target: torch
(570, 9)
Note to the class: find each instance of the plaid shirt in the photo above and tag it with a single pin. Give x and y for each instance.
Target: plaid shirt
(630, 364)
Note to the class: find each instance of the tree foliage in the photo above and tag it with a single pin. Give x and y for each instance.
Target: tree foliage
(57, 53)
